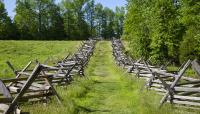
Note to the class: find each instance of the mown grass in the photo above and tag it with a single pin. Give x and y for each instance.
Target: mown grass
(116, 92)
(106, 89)
(19, 53)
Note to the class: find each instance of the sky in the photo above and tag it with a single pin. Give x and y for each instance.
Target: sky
(10, 5)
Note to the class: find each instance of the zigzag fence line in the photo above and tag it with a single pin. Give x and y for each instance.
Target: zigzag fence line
(35, 82)
(176, 88)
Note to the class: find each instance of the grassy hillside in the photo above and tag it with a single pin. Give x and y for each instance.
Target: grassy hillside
(107, 89)
(20, 53)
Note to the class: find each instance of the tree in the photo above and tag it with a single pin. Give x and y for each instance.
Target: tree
(7, 28)
(69, 19)
(107, 23)
(90, 16)
(25, 20)
(74, 19)
(38, 19)
(74, 11)
(55, 22)
(136, 28)
(99, 18)
(189, 48)
(166, 32)
(104, 21)
(154, 30)
(119, 21)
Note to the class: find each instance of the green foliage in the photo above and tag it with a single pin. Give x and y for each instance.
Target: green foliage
(69, 19)
(136, 28)
(190, 46)
(162, 30)
(75, 24)
(166, 32)
(119, 21)
(90, 16)
(107, 23)
(96, 20)
(7, 28)
(39, 19)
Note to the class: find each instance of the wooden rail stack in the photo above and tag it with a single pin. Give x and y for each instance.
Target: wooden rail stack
(35, 82)
(175, 87)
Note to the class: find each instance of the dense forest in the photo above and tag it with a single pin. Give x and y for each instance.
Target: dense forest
(68, 20)
(163, 30)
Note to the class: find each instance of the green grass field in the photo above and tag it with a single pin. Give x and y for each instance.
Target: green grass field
(19, 53)
(106, 89)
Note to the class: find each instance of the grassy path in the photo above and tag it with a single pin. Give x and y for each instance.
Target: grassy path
(109, 93)
(115, 92)
(105, 90)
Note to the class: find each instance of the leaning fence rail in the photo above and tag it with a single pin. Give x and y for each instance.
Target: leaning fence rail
(36, 81)
(175, 87)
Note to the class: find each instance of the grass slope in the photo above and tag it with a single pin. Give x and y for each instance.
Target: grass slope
(105, 90)
(20, 53)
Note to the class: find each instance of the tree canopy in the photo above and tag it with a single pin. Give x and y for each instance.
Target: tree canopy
(163, 30)
(7, 28)
(68, 20)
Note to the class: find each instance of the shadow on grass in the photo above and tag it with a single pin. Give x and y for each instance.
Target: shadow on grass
(101, 82)
(89, 110)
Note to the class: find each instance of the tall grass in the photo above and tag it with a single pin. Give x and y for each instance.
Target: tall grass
(69, 94)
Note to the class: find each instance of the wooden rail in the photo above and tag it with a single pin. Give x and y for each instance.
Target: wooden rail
(176, 88)
(36, 81)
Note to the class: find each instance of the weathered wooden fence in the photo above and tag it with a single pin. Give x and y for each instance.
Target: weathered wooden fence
(35, 82)
(175, 87)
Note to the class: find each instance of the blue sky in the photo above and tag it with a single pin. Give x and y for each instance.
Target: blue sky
(10, 5)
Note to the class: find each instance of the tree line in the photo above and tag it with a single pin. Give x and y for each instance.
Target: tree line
(163, 30)
(68, 20)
